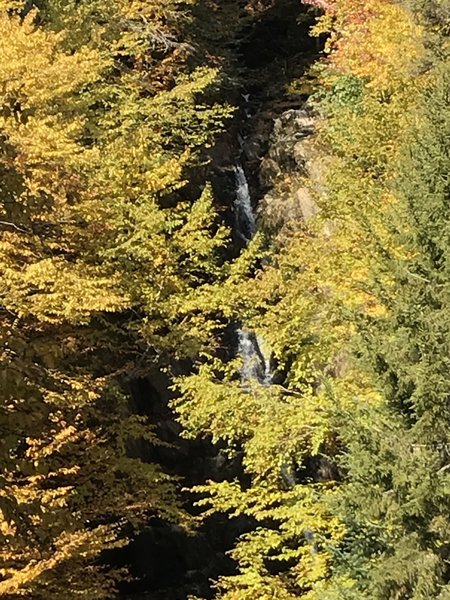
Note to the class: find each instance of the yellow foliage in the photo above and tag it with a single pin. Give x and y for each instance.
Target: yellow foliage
(99, 255)
(305, 301)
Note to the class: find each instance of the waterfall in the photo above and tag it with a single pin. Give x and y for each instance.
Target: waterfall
(255, 357)
(245, 217)
(252, 349)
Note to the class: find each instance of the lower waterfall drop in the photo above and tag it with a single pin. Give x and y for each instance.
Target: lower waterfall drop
(252, 348)
(255, 357)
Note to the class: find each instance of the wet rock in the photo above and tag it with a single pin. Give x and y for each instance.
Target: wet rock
(253, 149)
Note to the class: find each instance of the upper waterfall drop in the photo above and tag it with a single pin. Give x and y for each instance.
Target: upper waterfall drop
(245, 216)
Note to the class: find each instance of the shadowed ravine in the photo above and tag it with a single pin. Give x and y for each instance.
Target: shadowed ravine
(164, 561)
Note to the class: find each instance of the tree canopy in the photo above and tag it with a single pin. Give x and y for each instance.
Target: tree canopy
(116, 259)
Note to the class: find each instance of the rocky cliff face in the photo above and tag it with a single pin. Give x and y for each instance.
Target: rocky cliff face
(289, 172)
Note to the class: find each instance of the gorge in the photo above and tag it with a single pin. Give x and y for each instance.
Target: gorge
(224, 280)
(167, 562)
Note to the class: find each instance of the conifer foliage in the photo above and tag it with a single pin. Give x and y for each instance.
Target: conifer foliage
(398, 457)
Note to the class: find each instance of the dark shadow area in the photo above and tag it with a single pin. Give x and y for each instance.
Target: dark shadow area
(164, 560)
(167, 563)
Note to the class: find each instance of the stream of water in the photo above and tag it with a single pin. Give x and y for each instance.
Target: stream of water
(255, 358)
(244, 214)
(252, 348)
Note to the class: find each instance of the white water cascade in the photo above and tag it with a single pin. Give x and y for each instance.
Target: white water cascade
(252, 348)
(255, 358)
(245, 216)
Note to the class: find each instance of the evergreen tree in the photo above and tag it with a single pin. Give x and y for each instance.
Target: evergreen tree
(396, 500)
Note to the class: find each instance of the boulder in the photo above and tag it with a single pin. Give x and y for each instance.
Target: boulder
(285, 152)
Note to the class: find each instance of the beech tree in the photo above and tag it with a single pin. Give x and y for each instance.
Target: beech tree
(101, 261)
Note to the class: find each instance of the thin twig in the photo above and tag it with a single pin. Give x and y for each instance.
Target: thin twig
(14, 226)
